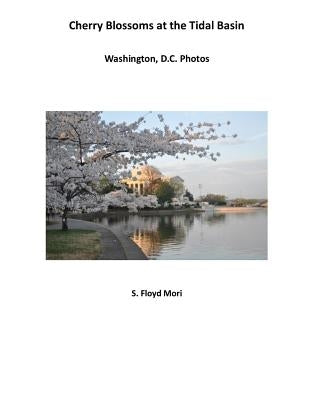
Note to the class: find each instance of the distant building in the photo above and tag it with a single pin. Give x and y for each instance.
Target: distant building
(143, 177)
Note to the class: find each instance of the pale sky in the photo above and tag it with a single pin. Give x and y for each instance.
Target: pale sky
(241, 171)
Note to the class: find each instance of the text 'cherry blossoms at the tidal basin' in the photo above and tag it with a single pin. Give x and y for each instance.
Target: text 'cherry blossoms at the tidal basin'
(144, 26)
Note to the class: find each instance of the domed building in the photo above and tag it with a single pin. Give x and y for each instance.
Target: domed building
(143, 178)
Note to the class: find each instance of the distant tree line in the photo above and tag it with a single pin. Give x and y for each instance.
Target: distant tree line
(214, 199)
(221, 200)
(241, 202)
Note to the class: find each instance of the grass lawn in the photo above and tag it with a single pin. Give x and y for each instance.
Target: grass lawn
(74, 244)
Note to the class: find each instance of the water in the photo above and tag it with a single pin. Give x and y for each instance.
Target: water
(206, 236)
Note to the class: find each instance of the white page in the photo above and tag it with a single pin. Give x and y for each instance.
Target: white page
(71, 329)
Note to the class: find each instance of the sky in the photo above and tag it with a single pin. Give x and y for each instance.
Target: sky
(241, 171)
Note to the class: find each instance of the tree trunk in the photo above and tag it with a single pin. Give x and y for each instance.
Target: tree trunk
(65, 221)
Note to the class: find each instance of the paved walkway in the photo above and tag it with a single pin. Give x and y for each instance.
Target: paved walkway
(114, 244)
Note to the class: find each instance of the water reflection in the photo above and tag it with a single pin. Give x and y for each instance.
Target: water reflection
(213, 218)
(194, 235)
(165, 230)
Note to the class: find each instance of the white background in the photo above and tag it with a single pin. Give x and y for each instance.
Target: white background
(70, 330)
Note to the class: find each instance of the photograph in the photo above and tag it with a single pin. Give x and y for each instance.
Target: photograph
(159, 185)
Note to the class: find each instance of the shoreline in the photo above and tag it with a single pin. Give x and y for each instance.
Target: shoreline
(238, 209)
(115, 245)
(141, 212)
(155, 212)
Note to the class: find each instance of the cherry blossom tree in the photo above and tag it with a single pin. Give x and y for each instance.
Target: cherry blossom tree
(82, 148)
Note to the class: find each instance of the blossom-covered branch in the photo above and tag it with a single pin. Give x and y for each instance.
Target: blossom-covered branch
(82, 148)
